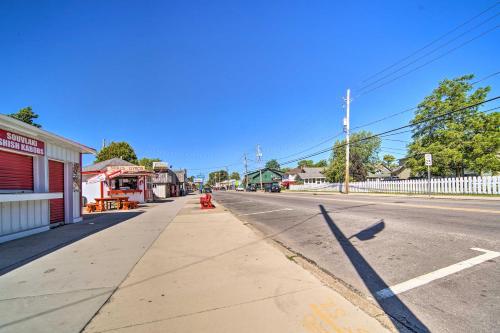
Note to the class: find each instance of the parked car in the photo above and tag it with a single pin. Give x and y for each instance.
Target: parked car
(240, 189)
(251, 188)
(275, 188)
(207, 189)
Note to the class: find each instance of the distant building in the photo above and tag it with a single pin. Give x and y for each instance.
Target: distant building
(309, 175)
(116, 177)
(269, 177)
(181, 181)
(381, 172)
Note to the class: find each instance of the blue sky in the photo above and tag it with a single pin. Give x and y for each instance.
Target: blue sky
(200, 83)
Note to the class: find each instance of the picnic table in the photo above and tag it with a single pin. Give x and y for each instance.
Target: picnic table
(103, 203)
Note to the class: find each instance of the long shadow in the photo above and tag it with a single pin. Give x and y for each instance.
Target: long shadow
(19, 252)
(398, 312)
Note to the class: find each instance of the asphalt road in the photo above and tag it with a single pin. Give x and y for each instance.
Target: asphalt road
(375, 242)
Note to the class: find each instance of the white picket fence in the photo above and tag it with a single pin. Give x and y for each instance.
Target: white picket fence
(461, 185)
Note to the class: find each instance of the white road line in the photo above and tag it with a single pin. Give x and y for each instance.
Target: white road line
(269, 211)
(440, 273)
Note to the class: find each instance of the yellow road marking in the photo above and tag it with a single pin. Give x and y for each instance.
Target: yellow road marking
(472, 210)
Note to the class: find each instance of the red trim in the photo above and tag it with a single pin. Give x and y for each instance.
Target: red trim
(122, 191)
(81, 188)
(90, 172)
(102, 190)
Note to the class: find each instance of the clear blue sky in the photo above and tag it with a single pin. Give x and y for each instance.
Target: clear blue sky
(199, 83)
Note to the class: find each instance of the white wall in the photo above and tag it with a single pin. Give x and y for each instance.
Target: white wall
(91, 191)
(21, 216)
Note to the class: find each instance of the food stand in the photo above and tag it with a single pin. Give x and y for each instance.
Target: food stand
(40, 179)
(113, 181)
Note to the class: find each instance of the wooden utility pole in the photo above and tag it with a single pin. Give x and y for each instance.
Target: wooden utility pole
(259, 160)
(246, 172)
(346, 129)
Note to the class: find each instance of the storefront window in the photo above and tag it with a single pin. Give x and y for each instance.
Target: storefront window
(125, 183)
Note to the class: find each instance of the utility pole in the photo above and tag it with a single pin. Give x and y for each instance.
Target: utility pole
(246, 172)
(346, 130)
(259, 158)
(227, 171)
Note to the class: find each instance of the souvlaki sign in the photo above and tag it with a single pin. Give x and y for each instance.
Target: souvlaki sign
(21, 143)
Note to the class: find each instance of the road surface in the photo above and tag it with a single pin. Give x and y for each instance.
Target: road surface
(431, 264)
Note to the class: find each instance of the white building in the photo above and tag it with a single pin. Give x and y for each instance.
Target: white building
(40, 179)
(116, 177)
(307, 175)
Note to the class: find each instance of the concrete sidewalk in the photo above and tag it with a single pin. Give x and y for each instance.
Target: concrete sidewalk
(207, 272)
(57, 280)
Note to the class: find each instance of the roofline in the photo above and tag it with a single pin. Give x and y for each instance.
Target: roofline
(28, 129)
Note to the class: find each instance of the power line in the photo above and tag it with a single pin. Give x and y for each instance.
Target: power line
(392, 131)
(484, 33)
(431, 43)
(416, 107)
(485, 78)
(427, 54)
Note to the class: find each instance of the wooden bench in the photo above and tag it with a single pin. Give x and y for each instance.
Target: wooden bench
(126, 205)
(91, 207)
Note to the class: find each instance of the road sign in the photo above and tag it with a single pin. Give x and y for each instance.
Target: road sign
(428, 159)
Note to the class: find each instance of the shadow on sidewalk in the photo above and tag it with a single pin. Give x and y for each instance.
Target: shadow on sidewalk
(20, 252)
(398, 312)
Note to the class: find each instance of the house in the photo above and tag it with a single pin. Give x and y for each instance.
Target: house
(310, 175)
(181, 181)
(313, 175)
(40, 179)
(164, 180)
(269, 177)
(381, 172)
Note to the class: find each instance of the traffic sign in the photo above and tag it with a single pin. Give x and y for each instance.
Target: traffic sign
(428, 159)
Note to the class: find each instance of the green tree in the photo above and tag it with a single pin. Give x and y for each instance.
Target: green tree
(363, 156)
(217, 176)
(117, 150)
(190, 179)
(306, 163)
(389, 161)
(273, 164)
(284, 170)
(461, 140)
(26, 115)
(235, 176)
(148, 162)
(321, 164)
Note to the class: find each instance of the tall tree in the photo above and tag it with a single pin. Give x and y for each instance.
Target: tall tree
(273, 164)
(389, 161)
(306, 163)
(121, 150)
(463, 139)
(26, 115)
(321, 164)
(362, 157)
(217, 176)
(235, 176)
(148, 162)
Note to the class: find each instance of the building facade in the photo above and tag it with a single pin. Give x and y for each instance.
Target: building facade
(269, 177)
(40, 179)
(116, 177)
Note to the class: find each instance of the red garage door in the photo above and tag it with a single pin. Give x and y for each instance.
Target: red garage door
(56, 184)
(16, 171)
